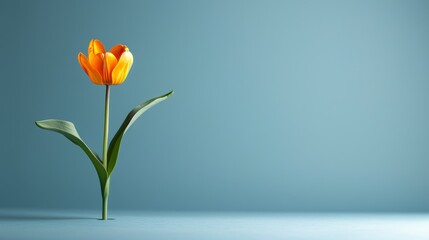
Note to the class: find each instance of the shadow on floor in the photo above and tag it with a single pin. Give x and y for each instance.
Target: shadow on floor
(34, 217)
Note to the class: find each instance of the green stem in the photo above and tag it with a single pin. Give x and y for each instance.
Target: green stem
(105, 193)
(105, 197)
(106, 127)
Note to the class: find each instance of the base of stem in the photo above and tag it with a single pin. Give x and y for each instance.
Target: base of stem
(105, 199)
(104, 210)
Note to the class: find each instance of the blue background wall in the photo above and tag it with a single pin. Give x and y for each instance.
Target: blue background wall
(279, 105)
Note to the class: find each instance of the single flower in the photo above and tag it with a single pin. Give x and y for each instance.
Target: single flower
(106, 68)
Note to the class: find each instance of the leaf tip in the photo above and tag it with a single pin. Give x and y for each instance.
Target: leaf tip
(38, 123)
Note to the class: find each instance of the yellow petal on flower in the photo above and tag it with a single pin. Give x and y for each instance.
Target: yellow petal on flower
(91, 47)
(118, 50)
(121, 70)
(93, 74)
(97, 62)
(111, 63)
(98, 47)
(95, 47)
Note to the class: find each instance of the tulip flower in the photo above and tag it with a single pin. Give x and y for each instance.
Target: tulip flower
(104, 68)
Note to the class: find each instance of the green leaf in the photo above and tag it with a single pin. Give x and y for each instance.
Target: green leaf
(115, 144)
(69, 131)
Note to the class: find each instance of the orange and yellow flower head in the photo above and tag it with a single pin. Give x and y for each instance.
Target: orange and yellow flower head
(106, 68)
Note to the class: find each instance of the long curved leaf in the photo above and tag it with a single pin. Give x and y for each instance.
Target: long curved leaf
(69, 131)
(115, 144)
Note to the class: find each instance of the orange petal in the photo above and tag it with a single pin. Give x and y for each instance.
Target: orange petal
(111, 62)
(95, 47)
(90, 71)
(118, 50)
(121, 70)
(97, 62)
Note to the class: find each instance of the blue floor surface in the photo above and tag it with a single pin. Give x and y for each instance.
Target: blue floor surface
(82, 225)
